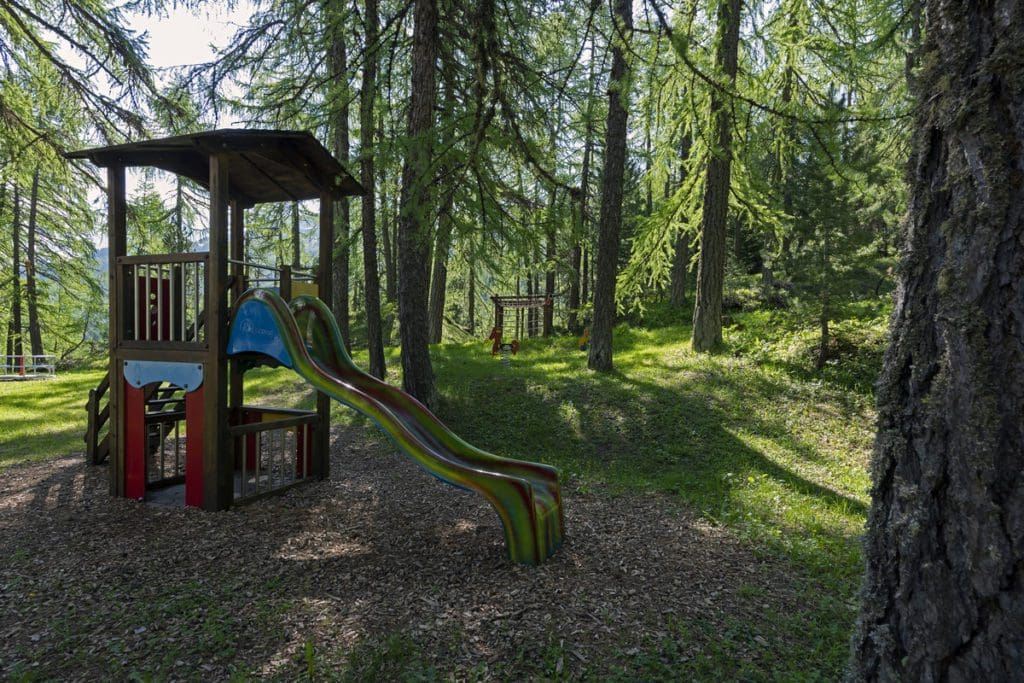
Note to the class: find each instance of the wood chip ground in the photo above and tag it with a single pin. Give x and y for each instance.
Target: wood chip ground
(93, 587)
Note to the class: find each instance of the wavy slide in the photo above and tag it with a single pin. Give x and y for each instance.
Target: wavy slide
(304, 337)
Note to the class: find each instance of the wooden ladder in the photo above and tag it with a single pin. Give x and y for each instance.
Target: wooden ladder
(97, 448)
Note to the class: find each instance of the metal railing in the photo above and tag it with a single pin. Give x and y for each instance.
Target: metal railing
(28, 366)
(163, 296)
(273, 449)
(281, 278)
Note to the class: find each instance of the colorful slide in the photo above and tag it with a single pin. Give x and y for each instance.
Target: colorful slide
(304, 337)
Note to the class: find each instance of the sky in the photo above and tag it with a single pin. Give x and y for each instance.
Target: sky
(183, 38)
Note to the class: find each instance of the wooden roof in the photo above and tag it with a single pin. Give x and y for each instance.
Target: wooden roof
(263, 165)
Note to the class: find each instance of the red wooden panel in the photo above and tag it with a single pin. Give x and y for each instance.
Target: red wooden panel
(194, 448)
(135, 445)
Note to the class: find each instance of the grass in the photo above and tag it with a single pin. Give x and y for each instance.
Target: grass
(42, 419)
(759, 444)
(751, 438)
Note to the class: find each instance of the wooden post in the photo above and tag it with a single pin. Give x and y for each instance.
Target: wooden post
(217, 463)
(322, 444)
(117, 245)
(237, 288)
(285, 289)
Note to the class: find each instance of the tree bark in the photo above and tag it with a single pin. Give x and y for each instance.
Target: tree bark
(414, 222)
(390, 271)
(35, 334)
(296, 238)
(707, 313)
(548, 323)
(367, 99)
(582, 229)
(16, 323)
(471, 299)
(439, 276)
(338, 61)
(443, 240)
(943, 592)
(680, 274)
(600, 357)
(585, 286)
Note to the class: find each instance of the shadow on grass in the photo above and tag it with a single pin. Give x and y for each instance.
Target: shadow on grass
(654, 426)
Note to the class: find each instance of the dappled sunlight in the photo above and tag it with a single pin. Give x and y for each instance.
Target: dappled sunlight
(320, 545)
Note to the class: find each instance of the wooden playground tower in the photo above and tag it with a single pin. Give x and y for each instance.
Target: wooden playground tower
(169, 316)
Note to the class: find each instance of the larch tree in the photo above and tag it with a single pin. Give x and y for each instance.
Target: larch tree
(337, 103)
(943, 595)
(707, 312)
(414, 223)
(367, 100)
(35, 334)
(610, 222)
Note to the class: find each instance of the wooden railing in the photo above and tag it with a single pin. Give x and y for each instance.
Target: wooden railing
(96, 448)
(162, 298)
(273, 450)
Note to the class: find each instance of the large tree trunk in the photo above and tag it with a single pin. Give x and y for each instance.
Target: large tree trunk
(374, 333)
(707, 313)
(16, 323)
(338, 62)
(414, 217)
(943, 595)
(35, 334)
(600, 357)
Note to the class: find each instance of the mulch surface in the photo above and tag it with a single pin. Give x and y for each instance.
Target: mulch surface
(96, 587)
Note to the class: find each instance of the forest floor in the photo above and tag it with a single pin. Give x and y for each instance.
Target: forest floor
(382, 572)
(713, 504)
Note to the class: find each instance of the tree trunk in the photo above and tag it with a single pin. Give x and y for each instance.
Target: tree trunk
(16, 279)
(35, 335)
(549, 277)
(707, 313)
(600, 357)
(296, 238)
(471, 299)
(439, 277)
(943, 592)
(414, 217)
(179, 217)
(585, 287)
(680, 271)
(680, 274)
(582, 228)
(390, 271)
(338, 85)
(367, 98)
(824, 290)
(530, 312)
(443, 240)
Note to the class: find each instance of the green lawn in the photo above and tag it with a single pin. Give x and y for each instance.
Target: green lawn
(41, 419)
(750, 438)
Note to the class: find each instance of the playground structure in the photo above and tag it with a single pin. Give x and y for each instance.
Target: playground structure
(523, 325)
(184, 328)
(25, 367)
